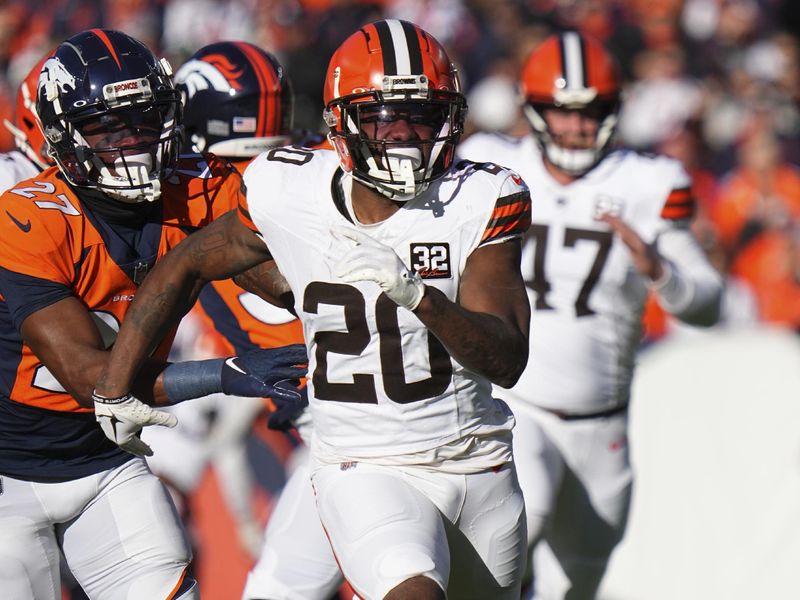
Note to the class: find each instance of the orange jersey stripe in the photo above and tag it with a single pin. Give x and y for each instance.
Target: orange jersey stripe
(511, 216)
(262, 76)
(680, 204)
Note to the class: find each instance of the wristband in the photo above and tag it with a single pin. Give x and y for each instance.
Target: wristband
(193, 379)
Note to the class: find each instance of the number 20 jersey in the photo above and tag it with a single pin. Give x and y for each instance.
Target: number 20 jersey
(586, 295)
(381, 385)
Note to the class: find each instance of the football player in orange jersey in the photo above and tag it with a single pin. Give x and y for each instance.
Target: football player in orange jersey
(608, 225)
(404, 267)
(75, 243)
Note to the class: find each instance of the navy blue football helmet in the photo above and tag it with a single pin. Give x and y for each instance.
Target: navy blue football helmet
(111, 115)
(237, 99)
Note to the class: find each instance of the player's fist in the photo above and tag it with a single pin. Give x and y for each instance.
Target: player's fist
(370, 260)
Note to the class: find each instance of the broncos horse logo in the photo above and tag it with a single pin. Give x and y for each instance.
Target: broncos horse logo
(214, 71)
(55, 78)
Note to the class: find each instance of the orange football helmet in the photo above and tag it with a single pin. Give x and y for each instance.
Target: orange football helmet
(571, 71)
(26, 127)
(389, 71)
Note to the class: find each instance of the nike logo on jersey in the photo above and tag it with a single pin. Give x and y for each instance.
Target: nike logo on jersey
(26, 226)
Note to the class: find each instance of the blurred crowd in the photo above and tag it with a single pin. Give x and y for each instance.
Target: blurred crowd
(714, 83)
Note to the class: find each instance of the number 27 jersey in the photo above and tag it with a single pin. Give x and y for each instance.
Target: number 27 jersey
(380, 384)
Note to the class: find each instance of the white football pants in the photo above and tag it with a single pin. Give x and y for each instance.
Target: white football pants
(577, 479)
(118, 530)
(296, 561)
(387, 524)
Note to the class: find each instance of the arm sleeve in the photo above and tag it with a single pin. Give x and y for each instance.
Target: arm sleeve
(24, 294)
(690, 289)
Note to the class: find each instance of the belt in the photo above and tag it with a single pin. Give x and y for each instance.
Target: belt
(608, 412)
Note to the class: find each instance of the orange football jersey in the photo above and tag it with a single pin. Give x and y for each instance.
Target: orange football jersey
(53, 245)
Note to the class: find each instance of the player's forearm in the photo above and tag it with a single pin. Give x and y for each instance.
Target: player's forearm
(267, 282)
(480, 342)
(147, 385)
(160, 302)
(690, 288)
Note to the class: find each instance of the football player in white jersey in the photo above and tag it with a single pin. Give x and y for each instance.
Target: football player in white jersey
(238, 102)
(30, 157)
(404, 265)
(608, 226)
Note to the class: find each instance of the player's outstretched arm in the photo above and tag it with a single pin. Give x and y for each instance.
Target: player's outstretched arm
(219, 251)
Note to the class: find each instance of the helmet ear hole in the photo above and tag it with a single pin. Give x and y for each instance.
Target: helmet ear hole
(198, 142)
(340, 145)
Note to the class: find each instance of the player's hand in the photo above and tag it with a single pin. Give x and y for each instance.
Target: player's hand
(253, 373)
(121, 419)
(645, 257)
(288, 402)
(370, 260)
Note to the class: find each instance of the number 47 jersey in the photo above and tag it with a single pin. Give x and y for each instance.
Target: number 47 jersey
(586, 294)
(380, 384)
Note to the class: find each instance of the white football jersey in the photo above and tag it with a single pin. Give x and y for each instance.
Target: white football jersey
(15, 167)
(379, 384)
(586, 295)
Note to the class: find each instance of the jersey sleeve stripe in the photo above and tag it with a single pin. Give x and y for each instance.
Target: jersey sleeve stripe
(511, 216)
(679, 205)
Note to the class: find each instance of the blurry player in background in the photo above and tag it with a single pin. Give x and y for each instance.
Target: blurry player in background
(238, 102)
(75, 242)
(405, 272)
(30, 157)
(608, 225)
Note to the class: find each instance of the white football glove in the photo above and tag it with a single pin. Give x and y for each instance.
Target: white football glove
(121, 419)
(372, 261)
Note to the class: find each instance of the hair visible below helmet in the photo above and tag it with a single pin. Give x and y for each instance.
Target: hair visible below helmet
(387, 68)
(106, 81)
(237, 99)
(26, 127)
(574, 72)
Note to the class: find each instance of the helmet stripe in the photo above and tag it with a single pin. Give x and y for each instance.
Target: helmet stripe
(414, 51)
(107, 42)
(573, 58)
(387, 48)
(272, 100)
(400, 47)
(262, 77)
